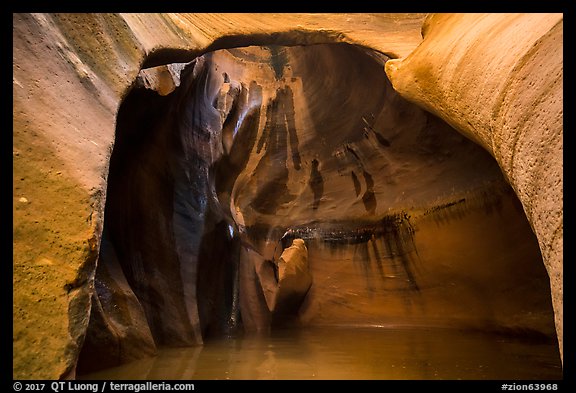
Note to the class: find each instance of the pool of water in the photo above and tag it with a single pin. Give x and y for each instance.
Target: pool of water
(352, 353)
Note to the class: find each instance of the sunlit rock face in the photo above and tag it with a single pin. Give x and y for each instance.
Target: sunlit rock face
(404, 221)
(341, 161)
(72, 72)
(517, 114)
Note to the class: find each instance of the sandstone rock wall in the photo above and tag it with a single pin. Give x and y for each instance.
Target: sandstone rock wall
(63, 123)
(71, 72)
(294, 278)
(171, 38)
(406, 221)
(497, 78)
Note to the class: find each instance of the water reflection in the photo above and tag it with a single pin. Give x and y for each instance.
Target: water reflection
(359, 353)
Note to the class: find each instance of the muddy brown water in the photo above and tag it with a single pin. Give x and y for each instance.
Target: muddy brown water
(352, 353)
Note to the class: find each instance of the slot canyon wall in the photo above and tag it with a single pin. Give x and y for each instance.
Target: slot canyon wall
(261, 143)
(520, 120)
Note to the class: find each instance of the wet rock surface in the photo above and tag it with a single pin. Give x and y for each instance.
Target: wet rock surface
(119, 331)
(250, 144)
(259, 197)
(520, 118)
(294, 280)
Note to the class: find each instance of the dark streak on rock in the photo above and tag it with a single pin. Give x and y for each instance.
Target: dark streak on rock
(356, 183)
(280, 124)
(362, 257)
(444, 206)
(350, 150)
(398, 233)
(378, 260)
(369, 198)
(395, 233)
(288, 109)
(272, 106)
(272, 170)
(316, 183)
(278, 60)
(383, 141)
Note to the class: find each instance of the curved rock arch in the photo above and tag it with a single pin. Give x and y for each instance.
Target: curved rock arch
(97, 85)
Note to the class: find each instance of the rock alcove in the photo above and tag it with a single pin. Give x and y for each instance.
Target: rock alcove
(245, 157)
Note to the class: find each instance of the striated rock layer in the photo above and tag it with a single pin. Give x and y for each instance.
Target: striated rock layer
(255, 151)
(515, 110)
(256, 143)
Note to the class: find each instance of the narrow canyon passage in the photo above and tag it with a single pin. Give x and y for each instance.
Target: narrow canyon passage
(260, 190)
